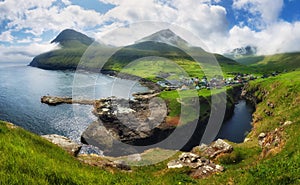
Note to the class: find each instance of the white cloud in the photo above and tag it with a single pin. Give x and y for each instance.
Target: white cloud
(6, 36)
(201, 18)
(268, 11)
(277, 38)
(24, 53)
(39, 16)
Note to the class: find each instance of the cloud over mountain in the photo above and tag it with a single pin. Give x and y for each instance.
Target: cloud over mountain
(221, 25)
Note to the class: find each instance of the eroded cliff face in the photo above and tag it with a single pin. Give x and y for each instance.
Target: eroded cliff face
(123, 124)
(129, 126)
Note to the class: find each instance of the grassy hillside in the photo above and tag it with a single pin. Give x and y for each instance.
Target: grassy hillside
(27, 159)
(278, 62)
(282, 166)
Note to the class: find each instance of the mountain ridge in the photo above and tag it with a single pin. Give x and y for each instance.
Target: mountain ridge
(68, 35)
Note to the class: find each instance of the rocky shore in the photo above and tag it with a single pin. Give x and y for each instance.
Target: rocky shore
(54, 100)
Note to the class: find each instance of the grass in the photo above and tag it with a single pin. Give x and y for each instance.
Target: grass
(26, 158)
(271, 63)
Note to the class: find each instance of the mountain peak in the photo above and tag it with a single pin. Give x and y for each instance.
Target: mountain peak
(68, 35)
(165, 36)
(242, 52)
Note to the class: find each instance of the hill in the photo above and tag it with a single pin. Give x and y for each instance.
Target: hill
(73, 45)
(277, 62)
(72, 38)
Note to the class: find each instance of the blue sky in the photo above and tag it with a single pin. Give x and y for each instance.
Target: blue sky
(273, 26)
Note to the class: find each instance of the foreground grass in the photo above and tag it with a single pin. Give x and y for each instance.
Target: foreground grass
(26, 158)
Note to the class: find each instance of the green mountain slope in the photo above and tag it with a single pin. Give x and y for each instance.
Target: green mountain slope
(73, 44)
(279, 62)
(72, 38)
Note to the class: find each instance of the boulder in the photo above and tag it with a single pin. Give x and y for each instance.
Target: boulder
(216, 148)
(106, 140)
(91, 150)
(201, 167)
(206, 171)
(261, 137)
(64, 142)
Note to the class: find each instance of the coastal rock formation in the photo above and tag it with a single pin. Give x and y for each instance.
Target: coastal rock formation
(123, 123)
(64, 142)
(53, 100)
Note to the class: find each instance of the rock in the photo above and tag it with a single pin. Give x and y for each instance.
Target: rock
(91, 150)
(206, 171)
(262, 135)
(201, 166)
(190, 160)
(124, 124)
(11, 125)
(287, 123)
(103, 162)
(247, 139)
(64, 142)
(175, 164)
(271, 142)
(98, 135)
(216, 148)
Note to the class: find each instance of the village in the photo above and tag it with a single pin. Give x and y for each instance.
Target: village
(204, 83)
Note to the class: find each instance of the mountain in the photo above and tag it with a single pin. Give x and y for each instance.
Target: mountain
(242, 52)
(73, 45)
(164, 43)
(165, 36)
(71, 36)
(145, 49)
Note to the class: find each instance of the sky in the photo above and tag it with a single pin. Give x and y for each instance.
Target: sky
(273, 26)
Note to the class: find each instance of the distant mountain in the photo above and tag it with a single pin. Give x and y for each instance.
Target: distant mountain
(71, 36)
(164, 43)
(145, 49)
(242, 52)
(73, 45)
(165, 36)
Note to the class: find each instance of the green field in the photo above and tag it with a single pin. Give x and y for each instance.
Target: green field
(278, 62)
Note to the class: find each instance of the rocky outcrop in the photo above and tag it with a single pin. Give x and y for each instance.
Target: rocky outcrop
(216, 148)
(126, 121)
(272, 142)
(201, 166)
(53, 100)
(64, 142)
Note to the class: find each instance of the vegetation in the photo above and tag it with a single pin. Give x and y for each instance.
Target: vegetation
(28, 159)
(278, 62)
